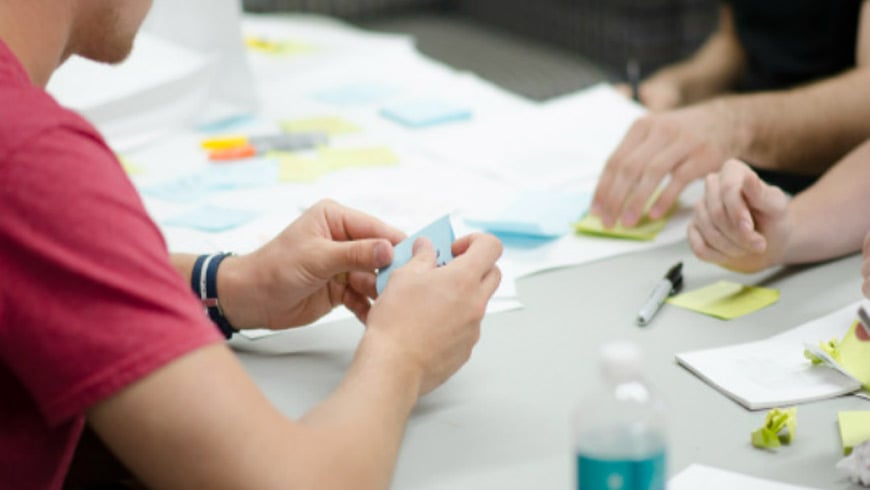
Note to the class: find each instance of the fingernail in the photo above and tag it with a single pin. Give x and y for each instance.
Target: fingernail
(758, 245)
(383, 254)
(629, 219)
(656, 212)
(595, 209)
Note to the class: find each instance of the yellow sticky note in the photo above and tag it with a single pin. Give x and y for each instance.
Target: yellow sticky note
(358, 157)
(300, 169)
(130, 167)
(328, 124)
(726, 300)
(854, 428)
(647, 229)
(852, 354)
(276, 46)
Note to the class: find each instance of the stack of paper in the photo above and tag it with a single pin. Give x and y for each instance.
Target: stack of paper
(775, 372)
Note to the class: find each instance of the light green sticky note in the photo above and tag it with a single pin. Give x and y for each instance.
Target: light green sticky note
(130, 167)
(338, 158)
(726, 300)
(328, 124)
(647, 229)
(294, 168)
(276, 46)
(852, 353)
(854, 428)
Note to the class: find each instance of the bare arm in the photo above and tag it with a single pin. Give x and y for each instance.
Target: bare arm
(805, 129)
(712, 70)
(831, 218)
(200, 422)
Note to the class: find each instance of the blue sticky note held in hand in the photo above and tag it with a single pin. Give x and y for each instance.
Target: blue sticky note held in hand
(440, 233)
(425, 112)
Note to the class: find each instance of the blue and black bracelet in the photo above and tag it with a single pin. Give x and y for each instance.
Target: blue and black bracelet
(203, 281)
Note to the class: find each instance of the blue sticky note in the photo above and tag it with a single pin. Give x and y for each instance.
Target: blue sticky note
(355, 94)
(425, 112)
(249, 173)
(440, 233)
(186, 189)
(212, 219)
(539, 214)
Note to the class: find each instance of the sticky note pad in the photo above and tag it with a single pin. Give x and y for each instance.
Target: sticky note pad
(541, 214)
(425, 112)
(647, 229)
(854, 428)
(726, 300)
(212, 219)
(294, 168)
(440, 233)
(328, 124)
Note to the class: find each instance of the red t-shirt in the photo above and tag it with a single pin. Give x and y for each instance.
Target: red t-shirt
(89, 301)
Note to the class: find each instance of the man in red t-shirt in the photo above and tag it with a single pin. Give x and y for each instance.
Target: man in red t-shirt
(98, 327)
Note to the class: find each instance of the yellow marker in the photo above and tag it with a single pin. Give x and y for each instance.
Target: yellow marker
(726, 300)
(224, 142)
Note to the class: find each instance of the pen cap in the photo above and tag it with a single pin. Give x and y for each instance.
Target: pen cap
(620, 361)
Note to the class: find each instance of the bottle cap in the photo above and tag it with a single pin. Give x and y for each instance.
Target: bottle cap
(620, 360)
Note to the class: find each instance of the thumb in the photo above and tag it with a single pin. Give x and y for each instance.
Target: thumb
(424, 255)
(764, 198)
(358, 255)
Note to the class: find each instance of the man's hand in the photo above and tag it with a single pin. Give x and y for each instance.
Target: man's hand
(741, 223)
(685, 145)
(326, 258)
(432, 315)
(865, 267)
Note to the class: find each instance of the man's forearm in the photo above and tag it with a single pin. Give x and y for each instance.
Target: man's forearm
(831, 218)
(804, 130)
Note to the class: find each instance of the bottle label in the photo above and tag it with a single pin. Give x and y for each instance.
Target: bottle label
(621, 474)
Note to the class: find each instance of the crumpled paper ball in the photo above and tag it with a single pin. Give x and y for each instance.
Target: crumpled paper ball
(857, 465)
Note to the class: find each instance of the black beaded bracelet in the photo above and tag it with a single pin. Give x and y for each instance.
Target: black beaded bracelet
(203, 281)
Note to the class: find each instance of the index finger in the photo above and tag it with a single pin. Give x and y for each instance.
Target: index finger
(350, 224)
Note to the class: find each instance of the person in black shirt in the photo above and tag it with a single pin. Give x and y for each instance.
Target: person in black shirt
(782, 84)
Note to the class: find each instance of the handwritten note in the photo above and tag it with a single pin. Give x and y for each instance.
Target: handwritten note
(726, 300)
(440, 233)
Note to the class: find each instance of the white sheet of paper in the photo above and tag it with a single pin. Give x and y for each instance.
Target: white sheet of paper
(700, 477)
(774, 372)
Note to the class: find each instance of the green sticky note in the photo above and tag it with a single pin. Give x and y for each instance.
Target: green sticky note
(770, 435)
(130, 167)
(852, 354)
(726, 300)
(294, 168)
(276, 46)
(854, 428)
(327, 124)
(647, 229)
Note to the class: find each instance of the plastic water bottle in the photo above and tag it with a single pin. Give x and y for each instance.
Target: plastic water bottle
(619, 430)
